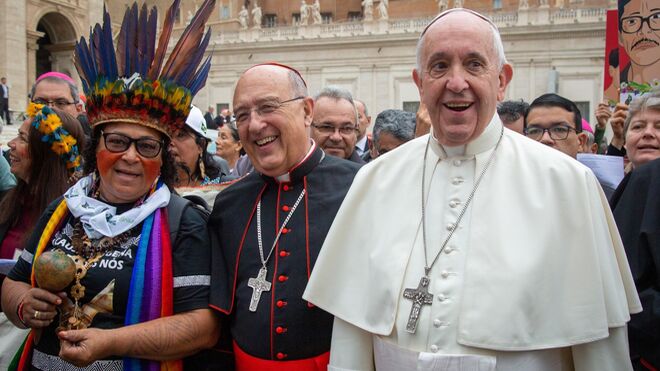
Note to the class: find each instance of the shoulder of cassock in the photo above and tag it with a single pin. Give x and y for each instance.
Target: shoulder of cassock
(545, 266)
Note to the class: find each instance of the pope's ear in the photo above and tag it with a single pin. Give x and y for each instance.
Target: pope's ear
(506, 74)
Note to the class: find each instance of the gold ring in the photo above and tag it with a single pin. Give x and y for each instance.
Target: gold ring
(36, 314)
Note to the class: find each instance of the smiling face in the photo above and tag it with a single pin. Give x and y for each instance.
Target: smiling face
(127, 176)
(337, 114)
(19, 154)
(459, 81)
(643, 46)
(643, 137)
(277, 140)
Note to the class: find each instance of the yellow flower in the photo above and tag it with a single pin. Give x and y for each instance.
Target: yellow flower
(73, 164)
(33, 109)
(69, 140)
(49, 124)
(60, 148)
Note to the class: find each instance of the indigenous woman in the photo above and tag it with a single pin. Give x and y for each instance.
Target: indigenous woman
(228, 144)
(44, 170)
(195, 166)
(119, 277)
(199, 174)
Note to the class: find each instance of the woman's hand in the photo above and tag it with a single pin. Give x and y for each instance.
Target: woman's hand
(82, 347)
(617, 121)
(38, 307)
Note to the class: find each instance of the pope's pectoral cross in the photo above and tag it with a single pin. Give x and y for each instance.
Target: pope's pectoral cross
(258, 285)
(420, 297)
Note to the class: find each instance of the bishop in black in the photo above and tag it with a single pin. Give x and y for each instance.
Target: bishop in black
(281, 330)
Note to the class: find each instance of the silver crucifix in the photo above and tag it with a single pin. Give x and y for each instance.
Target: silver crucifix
(419, 296)
(258, 285)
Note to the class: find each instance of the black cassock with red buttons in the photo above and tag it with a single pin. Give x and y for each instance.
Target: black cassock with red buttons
(284, 326)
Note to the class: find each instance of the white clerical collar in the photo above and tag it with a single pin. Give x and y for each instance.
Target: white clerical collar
(286, 177)
(484, 142)
(362, 144)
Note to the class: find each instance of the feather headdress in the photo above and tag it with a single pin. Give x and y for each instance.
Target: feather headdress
(132, 84)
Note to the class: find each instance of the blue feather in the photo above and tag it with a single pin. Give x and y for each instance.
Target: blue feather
(186, 76)
(142, 62)
(109, 59)
(200, 77)
(150, 31)
(95, 44)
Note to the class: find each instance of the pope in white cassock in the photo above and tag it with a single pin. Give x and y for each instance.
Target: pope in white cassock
(473, 248)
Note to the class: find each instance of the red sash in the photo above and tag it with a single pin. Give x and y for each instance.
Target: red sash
(246, 362)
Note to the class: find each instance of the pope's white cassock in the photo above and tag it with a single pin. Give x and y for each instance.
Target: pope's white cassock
(534, 278)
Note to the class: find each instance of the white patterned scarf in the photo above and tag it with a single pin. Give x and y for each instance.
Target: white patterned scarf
(100, 219)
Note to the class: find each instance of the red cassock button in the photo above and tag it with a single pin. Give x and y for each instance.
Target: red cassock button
(284, 254)
(280, 329)
(285, 208)
(281, 355)
(286, 230)
(286, 187)
(282, 278)
(280, 303)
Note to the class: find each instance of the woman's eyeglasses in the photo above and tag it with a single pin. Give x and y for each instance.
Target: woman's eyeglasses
(146, 147)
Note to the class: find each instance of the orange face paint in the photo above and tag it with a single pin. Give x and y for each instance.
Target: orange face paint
(105, 160)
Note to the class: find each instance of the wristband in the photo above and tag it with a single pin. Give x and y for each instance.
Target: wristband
(19, 313)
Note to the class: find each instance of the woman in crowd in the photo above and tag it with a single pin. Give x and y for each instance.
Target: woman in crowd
(43, 172)
(636, 208)
(200, 175)
(137, 293)
(195, 166)
(228, 145)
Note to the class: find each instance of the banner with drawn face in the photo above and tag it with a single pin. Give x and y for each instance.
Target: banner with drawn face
(639, 47)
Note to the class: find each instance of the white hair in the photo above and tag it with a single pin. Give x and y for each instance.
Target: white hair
(497, 39)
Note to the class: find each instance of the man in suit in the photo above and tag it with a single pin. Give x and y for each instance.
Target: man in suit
(210, 120)
(4, 112)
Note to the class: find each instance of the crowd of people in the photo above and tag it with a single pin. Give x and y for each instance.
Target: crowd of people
(465, 236)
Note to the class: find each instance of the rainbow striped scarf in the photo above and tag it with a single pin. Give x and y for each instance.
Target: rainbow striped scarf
(151, 290)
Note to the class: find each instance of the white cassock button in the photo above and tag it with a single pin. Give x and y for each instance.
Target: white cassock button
(451, 226)
(444, 274)
(456, 181)
(434, 348)
(437, 323)
(442, 297)
(454, 203)
(457, 162)
(449, 249)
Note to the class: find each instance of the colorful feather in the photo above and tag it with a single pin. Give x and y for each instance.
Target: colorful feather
(142, 62)
(189, 41)
(108, 47)
(166, 32)
(123, 63)
(186, 76)
(200, 78)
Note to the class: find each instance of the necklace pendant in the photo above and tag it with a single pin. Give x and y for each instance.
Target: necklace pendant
(420, 297)
(258, 285)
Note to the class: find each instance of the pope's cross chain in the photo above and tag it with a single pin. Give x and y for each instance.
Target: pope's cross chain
(258, 285)
(420, 297)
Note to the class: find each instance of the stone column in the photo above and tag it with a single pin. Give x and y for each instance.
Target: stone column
(13, 51)
(32, 47)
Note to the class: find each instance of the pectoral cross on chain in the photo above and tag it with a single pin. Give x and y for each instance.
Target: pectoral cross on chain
(258, 285)
(420, 297)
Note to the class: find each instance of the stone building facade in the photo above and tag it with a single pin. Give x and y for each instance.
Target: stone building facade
(554, 45)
